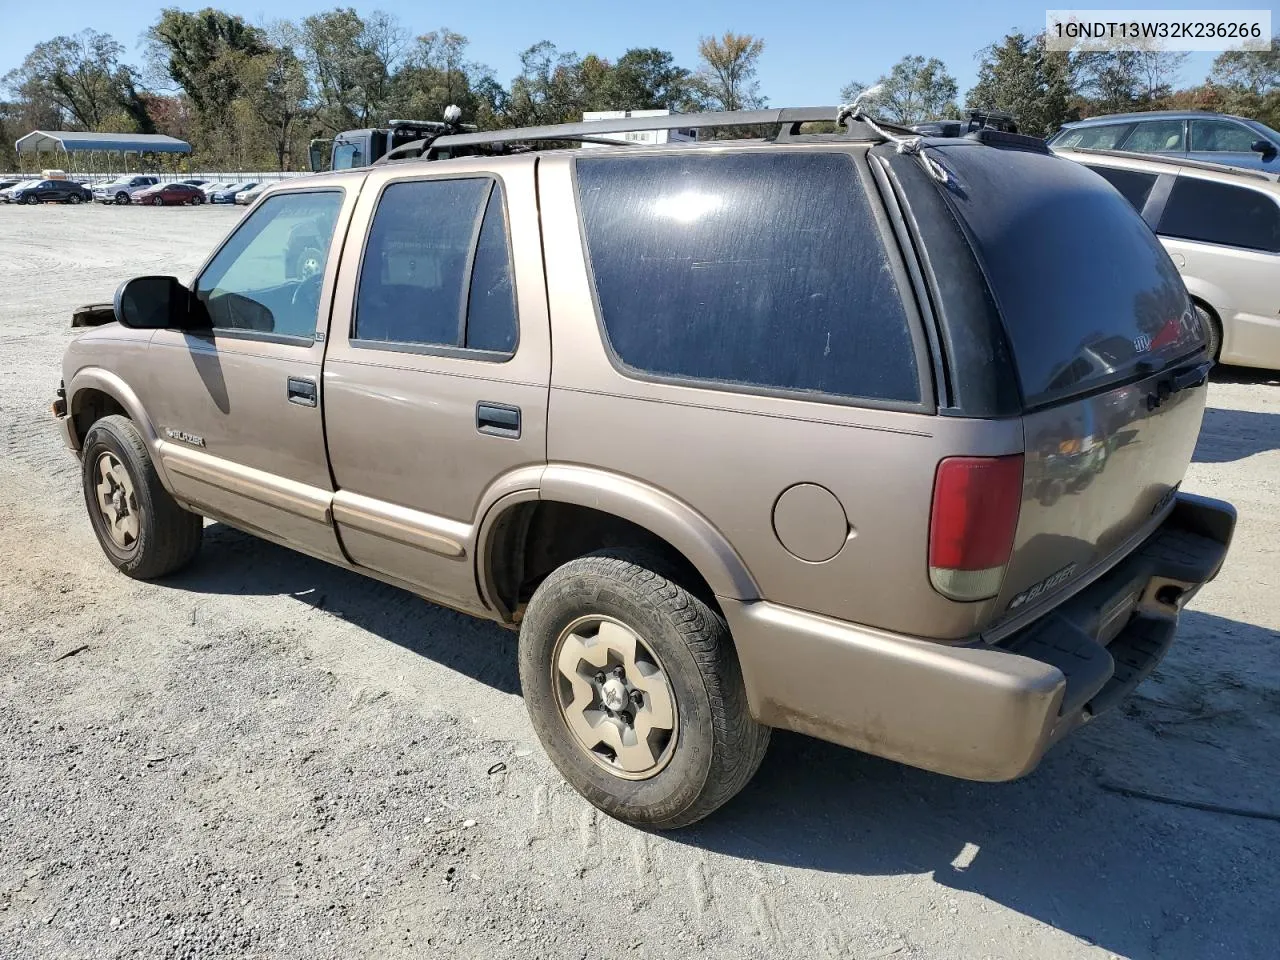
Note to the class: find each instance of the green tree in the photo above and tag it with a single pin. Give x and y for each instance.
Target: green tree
(548, 88)
(437, 73)
(1114, 81)
(81, 78)
(278, 93)
(352, 62)
(646, 79)
(726, 78)
(915, 89)
(1018, 75)
(1249, 83)
(202, 53)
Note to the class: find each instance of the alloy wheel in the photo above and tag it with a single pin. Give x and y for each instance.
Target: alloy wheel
(615, 697)
(117, 500)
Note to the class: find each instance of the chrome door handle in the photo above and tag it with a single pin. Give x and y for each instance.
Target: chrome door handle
(302, 391)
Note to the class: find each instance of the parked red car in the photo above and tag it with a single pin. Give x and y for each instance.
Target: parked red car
(169, 194)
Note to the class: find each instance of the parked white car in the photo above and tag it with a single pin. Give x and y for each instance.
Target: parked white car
(245, 197)
(1221, 227)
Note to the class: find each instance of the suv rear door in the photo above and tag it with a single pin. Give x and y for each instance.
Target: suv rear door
(437, 368)
(1108, 354)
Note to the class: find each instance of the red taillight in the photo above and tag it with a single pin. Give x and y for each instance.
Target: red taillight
(975, 515)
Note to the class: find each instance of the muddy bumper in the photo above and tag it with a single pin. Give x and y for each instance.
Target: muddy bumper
(981, 712)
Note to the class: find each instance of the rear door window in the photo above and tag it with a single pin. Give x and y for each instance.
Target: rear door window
(758, 269)
(1157, 136)
(1213, 212)
(1133, 185)
(1086, 292)
(437, 269)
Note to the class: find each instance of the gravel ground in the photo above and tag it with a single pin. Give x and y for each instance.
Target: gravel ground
(268, 757)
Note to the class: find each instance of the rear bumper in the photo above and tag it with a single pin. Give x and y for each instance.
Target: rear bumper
(981, 712)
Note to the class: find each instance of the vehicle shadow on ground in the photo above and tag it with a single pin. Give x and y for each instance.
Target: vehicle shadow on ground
(1227, 435)
(1054, 846)
(1136, 877)
(237, 564)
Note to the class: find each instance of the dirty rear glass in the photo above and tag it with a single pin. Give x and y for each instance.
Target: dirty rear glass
(762, 269)
(1086, 292)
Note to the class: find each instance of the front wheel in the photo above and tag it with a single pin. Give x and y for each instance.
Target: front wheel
(634, 688)
(122, 198)
(141, 529)
(158, 202)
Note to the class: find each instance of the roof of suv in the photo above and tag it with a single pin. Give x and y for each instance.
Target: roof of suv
(1126, 160)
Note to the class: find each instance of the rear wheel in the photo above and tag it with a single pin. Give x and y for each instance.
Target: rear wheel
(141, 529)
(634, 689)
(74, 198)
(1212, 331)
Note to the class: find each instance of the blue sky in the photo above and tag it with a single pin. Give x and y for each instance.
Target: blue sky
(812, 47)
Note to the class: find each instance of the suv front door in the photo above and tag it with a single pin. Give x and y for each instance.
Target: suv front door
(238, 407)
(1228, 141)
(438, 368)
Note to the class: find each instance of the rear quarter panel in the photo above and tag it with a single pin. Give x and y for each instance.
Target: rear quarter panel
(729, 456)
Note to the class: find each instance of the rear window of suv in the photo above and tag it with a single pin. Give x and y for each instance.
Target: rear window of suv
(761, 269)
(1086, 292)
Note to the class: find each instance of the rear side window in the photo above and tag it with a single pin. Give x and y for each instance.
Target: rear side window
(1133, 185)
(759, 269)
(1086, 293)
(437, 268)
(1157, 136)
(1215, 212)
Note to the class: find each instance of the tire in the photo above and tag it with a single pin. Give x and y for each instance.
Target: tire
(157, 201)
(165, 537)
(122, 198)
(714, 746)
(74, 198)
(24, 200)
(1213, 333)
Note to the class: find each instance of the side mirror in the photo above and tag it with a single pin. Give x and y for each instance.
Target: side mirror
(157, 303)
(1264, 147)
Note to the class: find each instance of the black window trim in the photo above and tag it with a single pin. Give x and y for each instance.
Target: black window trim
(433, 349)
(857, 156)
(1211, 243)
(261, 336)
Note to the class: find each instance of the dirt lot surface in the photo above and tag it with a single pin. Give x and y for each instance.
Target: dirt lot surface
(269, 757)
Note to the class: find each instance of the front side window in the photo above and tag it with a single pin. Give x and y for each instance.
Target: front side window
(1221, 136)
(347, 156)
(1222, 213)
(1157, 136)
(758, 269)
(437, 268)
(267, 277)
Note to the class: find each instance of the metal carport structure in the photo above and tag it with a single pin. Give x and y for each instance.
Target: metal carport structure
(70, 142)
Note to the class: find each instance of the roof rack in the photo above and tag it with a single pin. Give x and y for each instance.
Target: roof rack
(1178, 162)
(788, 119)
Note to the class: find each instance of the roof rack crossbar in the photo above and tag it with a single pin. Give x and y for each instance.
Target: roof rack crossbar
(674, 121)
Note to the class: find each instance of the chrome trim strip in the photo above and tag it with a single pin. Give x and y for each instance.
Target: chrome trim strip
(291, 496)
(425, 531)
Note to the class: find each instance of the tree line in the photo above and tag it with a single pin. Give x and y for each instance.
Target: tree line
(249, 96)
